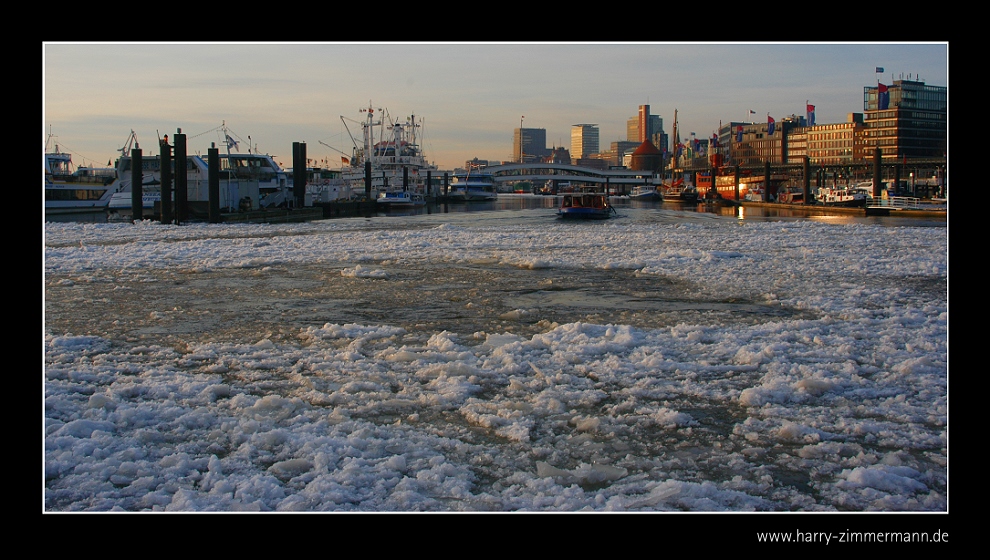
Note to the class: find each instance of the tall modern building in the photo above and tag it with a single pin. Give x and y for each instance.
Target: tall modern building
(584, 140)
(529, 145)
(646, 126)
(906, 119)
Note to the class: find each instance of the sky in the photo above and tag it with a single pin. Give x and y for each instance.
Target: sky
(485, 370)
(469, 96)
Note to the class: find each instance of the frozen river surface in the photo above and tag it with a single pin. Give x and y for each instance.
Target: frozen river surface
(497, 361)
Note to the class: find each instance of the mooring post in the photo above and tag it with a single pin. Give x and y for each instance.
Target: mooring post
(213, 180)
(299, 173)
(737, 182)
(876, 172)
(766, 181)
(181, 180)
(137, 176)
(166, 187)
(367, 178)
(897, 178)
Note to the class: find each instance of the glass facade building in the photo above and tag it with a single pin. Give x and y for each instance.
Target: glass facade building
(529, 145)
(909, 120)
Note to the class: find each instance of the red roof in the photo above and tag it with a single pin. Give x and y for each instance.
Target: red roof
(647, 149)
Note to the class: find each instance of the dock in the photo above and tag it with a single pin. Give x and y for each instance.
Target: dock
(936, 211)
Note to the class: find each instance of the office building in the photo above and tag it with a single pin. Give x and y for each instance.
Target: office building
(907, 119)
(584, 140)
(529, 145)
(835, 144)
(646, 126)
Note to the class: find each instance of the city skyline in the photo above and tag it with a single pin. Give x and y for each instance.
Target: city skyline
(470, 97)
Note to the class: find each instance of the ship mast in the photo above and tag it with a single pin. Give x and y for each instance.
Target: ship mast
(677, 142)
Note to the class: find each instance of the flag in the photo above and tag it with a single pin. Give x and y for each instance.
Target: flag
(879, 69)
(811, 115)
(714, 143)
(739, 133)
(231, 143)
(883, 97)
(771, 125)
(752, 112)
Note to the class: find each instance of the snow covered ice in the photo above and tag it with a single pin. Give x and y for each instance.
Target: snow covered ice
(450, 363)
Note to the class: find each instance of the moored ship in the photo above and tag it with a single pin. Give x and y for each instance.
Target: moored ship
(473, 186)
(791, 195)
(248, 181)
(391, 152)
(74, 189)
(678, 191)
(841, 196)
(725, 185)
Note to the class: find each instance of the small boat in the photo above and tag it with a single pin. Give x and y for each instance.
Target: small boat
(473, 186)
(790, 195)
(754, 194)
(586, 205)
(399, 198)
(644, 192)
(841, 196)
(69, 189)
(678, 191)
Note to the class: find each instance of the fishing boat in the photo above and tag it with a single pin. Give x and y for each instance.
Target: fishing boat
(755, 193)
(678, 191)
(644, 192)
(840, 196)
(473, 186)
(74, 189)
(586, 204)
(248, 181)
(791, 195)
(390, 151)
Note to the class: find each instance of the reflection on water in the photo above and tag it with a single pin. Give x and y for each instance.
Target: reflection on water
(637, 211)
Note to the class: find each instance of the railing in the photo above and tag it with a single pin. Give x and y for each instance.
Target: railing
(904, 203)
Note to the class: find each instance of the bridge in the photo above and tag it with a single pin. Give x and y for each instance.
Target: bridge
(560, 172)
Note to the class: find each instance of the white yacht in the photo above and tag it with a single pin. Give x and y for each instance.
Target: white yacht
(473, 186)
(74, 189)
(247, 180)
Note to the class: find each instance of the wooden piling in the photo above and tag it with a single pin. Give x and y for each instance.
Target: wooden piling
(213, 181)
(166, 186)
(137, 177)
(181, 180)
(299, 173)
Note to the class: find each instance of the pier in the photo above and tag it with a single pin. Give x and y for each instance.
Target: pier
(936, 211)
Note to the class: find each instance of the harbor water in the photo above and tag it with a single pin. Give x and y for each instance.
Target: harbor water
(631, 210)
(493, 357)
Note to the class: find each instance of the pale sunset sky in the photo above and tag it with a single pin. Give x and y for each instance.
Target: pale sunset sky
(469, 97)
